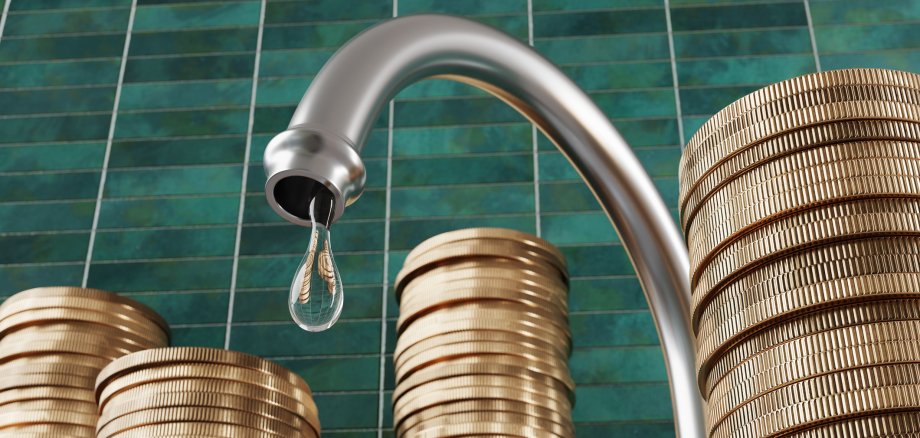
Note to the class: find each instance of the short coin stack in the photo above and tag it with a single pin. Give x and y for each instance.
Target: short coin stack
(190, 391)
(53, 343)
(801, 207)
(483, 337)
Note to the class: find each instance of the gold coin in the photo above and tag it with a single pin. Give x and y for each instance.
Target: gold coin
(96, 294)
(196, 429)
(46, 392)
(494, 418)
(483, 253)
(427, 288)
(50, 405)
(304, 408)
(487, 365)
(116, 385)
(400, 356)
(857, 313)
(15, 419)
(558, 321)
(526, 327)
(12, 381)
(467, 234)
(181, 355)
(486, 247)
(182, 414)
(53, 430)
(410, 396)
(825, 398)
(59, 358)
(119, 408)
(30, 318)
(711, 143)
(492, 349)
(795, 141)
(483, 428)
(408, 312)
(461, 407)
(90, 328)
(64, 368)
(10, 351)
(900, 424)
(836, 350)
(113, 344)
(479, 393)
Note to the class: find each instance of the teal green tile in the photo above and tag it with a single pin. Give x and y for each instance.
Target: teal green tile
(387, 413)
(597, 260)
(479, 170)
(45, 74)
(49, 186)
(347, 411)
(637, 104)
(277, 271)
(188, 307)
(566, 196)
(577, 228)
(336, 374)
(71, 127)
(212, 337)
(376, 145)
(462, 201)
(18, 278)
(47, 216)
(177, 152)
(188, 68)
(738, 16)
(67, 22)
(43, 248)
(470, 7)
(68, 47)
(619, 76)
(640, 429)
(312, 36)
(743, 71)
(464, 111)
(864, 11)
(271, 305)
(185, 16)
(599, 23)
(658, 161)
(693, 123)
(646, 402)
(348, 337)
(742, 43)
(604, 366)
(60, 156)
(615, 48)
(272, 119)
(406, 234)
(161, 275)
(185, 95)
(169, 212)
(182, 123)
(514, 25)
(35, 5)
(613, 329)
(907, 60)
(709, 100)
(156, 244)
(408, 142)
(325, 10)
(837, 39)
(600, 294)
(281, 91)
(193, 41)
(569, 5)
(276, 63)
(294, 239)
(173, 181)
(57, 100)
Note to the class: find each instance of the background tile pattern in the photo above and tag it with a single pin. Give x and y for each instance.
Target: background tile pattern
(131, 134)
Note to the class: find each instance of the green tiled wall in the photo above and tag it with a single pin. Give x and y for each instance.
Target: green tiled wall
(147, 200)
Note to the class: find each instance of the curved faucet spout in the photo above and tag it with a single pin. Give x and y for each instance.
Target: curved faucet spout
(320, 151)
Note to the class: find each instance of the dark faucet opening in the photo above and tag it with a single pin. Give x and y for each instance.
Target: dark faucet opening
(294, 194)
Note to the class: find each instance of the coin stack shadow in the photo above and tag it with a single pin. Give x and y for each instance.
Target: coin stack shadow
(801, 207)
(53, 343)
(192, 391)
(483, 337)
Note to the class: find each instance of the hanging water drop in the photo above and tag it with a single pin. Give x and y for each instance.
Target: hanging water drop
(317, 295)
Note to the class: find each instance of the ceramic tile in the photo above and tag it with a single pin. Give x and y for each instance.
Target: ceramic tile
(599, 23)
(64, 47)
(193, 41)
(185, 95)
(67, 22)
(743, 16)
(47, 5)
(169, 212)
(44, 74)
(46, 216)
(195, 67)
(56, 156)
(198, 16)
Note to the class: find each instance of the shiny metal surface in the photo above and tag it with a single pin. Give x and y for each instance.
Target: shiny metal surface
(335, 116)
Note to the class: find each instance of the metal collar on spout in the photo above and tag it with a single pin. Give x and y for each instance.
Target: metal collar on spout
(319, 151)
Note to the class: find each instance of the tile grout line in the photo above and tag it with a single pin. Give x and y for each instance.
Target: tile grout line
(244, 179)
(108, 144)
(386, 258)
(674, 78)
(3, 15)
(811, 35)
(533, 138)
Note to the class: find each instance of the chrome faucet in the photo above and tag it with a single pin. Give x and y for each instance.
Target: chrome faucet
(319, 154)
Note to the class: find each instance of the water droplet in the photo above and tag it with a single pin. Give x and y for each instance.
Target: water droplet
(317, 295)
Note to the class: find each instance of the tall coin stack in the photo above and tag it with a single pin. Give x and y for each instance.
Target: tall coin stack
(483, 337)
(53, 343)
(801, 207)
(191, 391)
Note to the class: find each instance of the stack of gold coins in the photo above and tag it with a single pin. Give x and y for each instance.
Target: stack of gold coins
(191, 391)
(53, 343)
(483, 337)
(801, 207)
